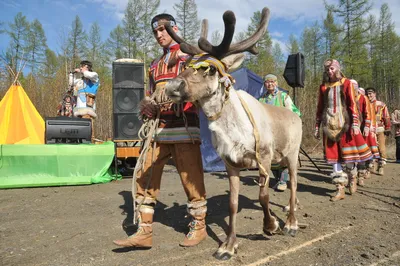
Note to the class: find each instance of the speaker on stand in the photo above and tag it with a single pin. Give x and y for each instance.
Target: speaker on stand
(294, 75)
(128, 91)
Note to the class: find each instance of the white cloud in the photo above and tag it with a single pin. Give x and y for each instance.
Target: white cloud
(11, 3)
(276, 34)
(293, 11)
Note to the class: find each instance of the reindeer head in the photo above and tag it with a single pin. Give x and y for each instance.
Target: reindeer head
(206, 76)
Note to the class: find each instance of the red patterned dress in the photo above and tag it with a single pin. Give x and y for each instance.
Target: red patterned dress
(335, 98)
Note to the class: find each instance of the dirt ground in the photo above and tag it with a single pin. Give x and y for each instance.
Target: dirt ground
(75, 225)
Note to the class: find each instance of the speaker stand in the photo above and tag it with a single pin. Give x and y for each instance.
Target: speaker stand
(125, 152)
(302, 151)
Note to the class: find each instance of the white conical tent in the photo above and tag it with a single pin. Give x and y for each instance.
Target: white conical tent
(20, 122)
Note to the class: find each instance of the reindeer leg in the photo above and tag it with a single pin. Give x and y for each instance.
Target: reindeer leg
(228, 247)
(291, 225)
(270, 223)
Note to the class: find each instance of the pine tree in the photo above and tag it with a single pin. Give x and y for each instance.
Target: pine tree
(188, 22)
(331, 36)
(50, 65)
(36, 45)
(18, 32)
(312, 49)
(354, 39)
(264, 62)
(94, 44)
(77, 42)
(131, 22)
(116, 41)
(293, 44)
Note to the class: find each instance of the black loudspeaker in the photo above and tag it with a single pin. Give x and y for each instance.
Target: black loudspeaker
(64, 129)
(294, 71)
(128, 91)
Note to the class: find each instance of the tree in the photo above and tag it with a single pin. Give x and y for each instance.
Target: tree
(387, 56)
(312, 48)
(116, 42)
(277, 55)
(331, 36)
(131, 22)
(146, 38)
(36, 45)
(18, 32)
(76, 42)
(188, 22)
(94, 44)
(353, 49)
(51, 64)
(293, 45)
(216, 37)
(264, 61)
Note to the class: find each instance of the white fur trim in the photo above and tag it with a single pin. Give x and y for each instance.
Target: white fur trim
(196, 204)
(84, 111)
(146, 201)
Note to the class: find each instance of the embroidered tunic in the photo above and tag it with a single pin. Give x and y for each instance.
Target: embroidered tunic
(382, 116)
(174, 127)
(350, 148)
(368, 120)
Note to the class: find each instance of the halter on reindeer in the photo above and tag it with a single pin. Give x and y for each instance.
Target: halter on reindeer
(245, 132)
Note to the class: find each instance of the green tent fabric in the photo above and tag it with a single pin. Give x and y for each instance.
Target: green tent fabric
(55, 164)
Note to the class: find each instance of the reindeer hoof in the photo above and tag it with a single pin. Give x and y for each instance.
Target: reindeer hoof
(288, 231)
(272, 228)
(223, 256)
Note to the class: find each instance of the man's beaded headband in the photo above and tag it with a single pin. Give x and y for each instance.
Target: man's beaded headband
(157, 23)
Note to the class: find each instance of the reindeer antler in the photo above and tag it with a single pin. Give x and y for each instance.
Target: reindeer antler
(186, 47)
(249, 43)
(221, 50)
(224, 48)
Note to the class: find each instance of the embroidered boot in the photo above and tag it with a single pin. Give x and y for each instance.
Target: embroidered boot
(197, 227)
(143, 236)
(353, 183)
(361, 176)
(380, 168)
(340, 194)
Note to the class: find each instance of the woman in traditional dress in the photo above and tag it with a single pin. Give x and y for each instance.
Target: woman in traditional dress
(337, 114)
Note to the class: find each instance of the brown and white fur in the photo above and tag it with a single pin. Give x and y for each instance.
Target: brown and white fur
(280, 133)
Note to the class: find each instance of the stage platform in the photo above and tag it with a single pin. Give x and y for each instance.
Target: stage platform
(55, 164)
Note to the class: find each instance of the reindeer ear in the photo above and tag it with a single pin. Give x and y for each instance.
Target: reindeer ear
(233, 61)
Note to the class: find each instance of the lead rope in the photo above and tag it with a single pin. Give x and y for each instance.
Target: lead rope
(257, 140)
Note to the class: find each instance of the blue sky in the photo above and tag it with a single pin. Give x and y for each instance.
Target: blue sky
(287, 16)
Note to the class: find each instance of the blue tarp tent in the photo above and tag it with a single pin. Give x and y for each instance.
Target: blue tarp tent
(245, 80)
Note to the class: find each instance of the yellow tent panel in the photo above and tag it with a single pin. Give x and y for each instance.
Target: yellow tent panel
(20, 122)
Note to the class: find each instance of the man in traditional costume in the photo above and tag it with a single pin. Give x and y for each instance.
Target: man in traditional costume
(276, 96)
(337, 114)
(367, 125)
(382, 126)
(85, 82)
(177, 136)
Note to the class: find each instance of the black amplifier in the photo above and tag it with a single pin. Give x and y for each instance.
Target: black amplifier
(64, 129)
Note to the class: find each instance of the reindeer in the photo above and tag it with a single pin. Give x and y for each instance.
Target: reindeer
(245, 132)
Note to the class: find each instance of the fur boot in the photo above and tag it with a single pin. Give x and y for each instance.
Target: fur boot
(380, 168)
(197, 227)
(143, 238)
(361, 176)
(352, 174)
(340, 194)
